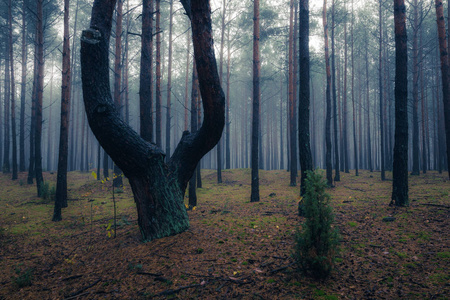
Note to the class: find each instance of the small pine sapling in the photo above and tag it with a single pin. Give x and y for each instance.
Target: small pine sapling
(316, 243)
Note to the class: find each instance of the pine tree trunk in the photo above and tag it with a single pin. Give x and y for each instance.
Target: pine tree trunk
(415, 93)
(292, 120)
(329, 168)
(13, 95)
(145, 78)
(400, 163)
(355, 144)
(255, 106)
(169, 83)
(304, 95)
(158, 115)
(380, 85)
(6, 167)
(337, 176)
(445, 74)
(23, 90)
(61, 180)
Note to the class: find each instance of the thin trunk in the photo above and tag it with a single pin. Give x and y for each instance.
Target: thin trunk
(158, 75)
(61, 180)
(445, 74)
(415, 92)
(23, 85)
(145, 78)
(169, 83)
(13, 95)
(304, 96)
(369, 144)
(329, 168)
(344, 106)
(227, 105)
(355, 145)
(186, 89)
(337, 176)
(400, 163)
(380, 84)
(256, 106)
(40, 94)
(292, 131)
(6, 168)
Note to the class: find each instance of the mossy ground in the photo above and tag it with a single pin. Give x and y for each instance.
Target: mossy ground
(234, 248)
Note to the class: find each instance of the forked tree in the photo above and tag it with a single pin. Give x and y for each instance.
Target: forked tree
(158, 186)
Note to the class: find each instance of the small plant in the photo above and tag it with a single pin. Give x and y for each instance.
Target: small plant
(47, 192)
(23, 278)
(316, 244)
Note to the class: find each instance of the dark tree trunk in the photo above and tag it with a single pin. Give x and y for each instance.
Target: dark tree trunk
(400, 163)
(292, 120)
(345, 106)
(369, 144)
(158, 115)
(415, 93)
(23, 85)
(31, 173)
(117, 176)
(39, 98)
(6, 167)
(194, 97)
(380, 85)
(13, 95)
(355, 144)
(304, 94)
(445, 74)
(337, 176)
(256, 106)
(329, 168)
(158, 187)
(227, 108)
(61, 181)
(145, 77)
(169, 83)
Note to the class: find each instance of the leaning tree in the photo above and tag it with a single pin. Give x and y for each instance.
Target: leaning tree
(158, 186)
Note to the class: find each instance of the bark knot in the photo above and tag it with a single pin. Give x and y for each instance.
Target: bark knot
(91, 36)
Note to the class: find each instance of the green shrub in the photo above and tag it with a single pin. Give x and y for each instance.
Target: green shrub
(23, 278)
(316, 243)
(47, 192)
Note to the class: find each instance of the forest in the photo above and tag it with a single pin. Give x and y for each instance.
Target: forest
(218, 149)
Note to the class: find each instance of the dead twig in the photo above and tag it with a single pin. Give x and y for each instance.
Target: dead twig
(77, 293)
(435, 205)
(72, 277)
(281, 269)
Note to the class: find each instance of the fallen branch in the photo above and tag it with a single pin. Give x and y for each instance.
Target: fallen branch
(72, 277)
(281, 269)
(435, 205)
(150, 274)
(77, 293)
(354, 189)
(171, 292)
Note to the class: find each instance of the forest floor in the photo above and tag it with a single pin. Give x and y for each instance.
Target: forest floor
(233, 249)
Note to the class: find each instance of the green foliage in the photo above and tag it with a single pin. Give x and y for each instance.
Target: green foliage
(23, 278)
(47, 192)
(316, 243)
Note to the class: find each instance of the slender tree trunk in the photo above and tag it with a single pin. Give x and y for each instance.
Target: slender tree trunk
(31, 172)
(400, 163)
(355, 144)
(304, 95)
(169, 83)
(415, 92)
(23, 85)
(158, 76)
(145, 78)
(186, 89)
(227, 105)
(329, 168)
(344, 106)
(369, 143)
(256, 105)
(445, 74)
(40, 94)
(6, 168)
(13, 95)
(292, 129)
(61, 180)
(380, 85)
(194, 96)
(337, 176)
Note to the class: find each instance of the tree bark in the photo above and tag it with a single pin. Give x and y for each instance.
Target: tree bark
(169, 82)
(61, 180)
(329, 168)
(255, 106)
(304, 95)
(23, 85)
(292, 121)
(355, 144)
(6, 167)
(145, 77)
(39, 98)
(445, 74)
(400, 163)
(158, 187)
(158, 112)
(415, 93)
(380, 85)
(13, 95)
(337, 176)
